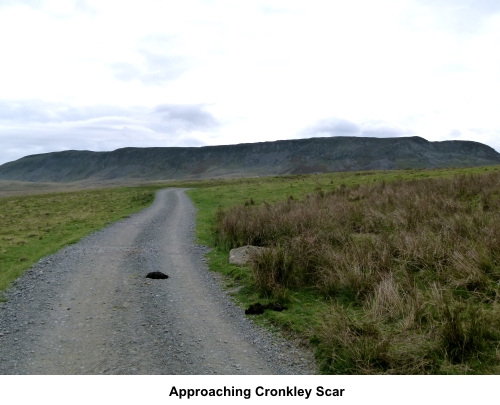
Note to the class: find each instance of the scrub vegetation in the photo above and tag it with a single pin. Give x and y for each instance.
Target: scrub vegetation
(396, 276)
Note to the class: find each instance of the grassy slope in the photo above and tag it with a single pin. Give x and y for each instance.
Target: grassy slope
(323, 154)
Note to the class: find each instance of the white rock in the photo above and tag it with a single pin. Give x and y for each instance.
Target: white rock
(243, 255)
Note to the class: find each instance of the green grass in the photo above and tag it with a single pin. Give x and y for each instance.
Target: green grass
(34, 226)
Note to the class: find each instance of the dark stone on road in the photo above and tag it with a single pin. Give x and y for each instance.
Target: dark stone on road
(157, 275)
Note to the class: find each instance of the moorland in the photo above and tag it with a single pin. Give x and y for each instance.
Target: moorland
(382, 272)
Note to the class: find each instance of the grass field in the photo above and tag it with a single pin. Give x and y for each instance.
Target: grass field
(34, 226)
(382, 272)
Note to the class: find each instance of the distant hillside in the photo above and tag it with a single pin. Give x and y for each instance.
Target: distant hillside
(316, 155)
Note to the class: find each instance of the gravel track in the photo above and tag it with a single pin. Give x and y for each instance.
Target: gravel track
(89, 309)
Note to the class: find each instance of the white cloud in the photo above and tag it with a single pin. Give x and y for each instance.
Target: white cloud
(343, 127)
(34, 127)
(267, 69)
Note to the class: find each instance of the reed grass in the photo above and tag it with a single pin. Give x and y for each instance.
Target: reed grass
(410, 270)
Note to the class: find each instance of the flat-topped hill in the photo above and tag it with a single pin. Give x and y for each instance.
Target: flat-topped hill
(300, 156)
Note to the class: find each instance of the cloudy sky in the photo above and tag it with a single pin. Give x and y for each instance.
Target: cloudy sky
(105, 74)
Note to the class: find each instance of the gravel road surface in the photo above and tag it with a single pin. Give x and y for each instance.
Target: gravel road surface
(89, 309)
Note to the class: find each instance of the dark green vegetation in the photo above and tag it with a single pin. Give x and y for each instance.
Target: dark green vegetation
(389, 276)
(37, 225)
(300, 156)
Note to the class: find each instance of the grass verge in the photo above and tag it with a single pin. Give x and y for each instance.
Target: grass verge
(34, 226)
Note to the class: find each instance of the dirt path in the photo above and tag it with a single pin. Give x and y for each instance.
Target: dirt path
(89, 309)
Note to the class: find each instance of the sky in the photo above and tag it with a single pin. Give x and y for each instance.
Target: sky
(103, 74)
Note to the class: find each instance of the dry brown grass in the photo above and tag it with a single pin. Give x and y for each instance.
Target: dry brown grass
(412, 270)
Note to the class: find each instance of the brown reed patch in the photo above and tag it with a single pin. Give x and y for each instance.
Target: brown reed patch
(387, 253)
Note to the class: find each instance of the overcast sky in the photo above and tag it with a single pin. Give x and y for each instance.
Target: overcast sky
(103, 74)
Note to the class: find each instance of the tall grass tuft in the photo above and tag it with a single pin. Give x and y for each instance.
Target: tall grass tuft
(412, 269)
